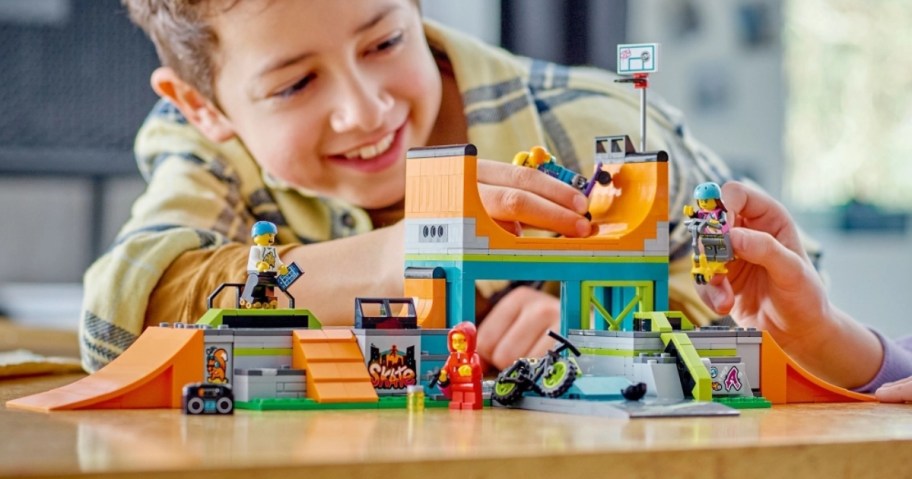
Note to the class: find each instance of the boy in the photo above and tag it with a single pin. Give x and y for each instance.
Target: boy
(300, 113)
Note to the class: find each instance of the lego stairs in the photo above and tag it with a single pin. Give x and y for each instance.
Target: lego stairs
(783, 381)
(334, 365)
(150, 374)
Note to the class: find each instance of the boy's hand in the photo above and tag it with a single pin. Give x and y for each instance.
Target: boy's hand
(899, 391)
(517, 327)
(772, 285)
(512, 194)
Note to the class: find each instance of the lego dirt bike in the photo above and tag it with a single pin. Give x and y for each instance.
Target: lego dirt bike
(548, 376)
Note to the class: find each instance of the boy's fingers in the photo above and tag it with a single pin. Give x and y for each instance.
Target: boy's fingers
(495, 173)
(542, 346)
(515, 325)
(782, 265)
(759, 210)
(900, 391)
(496, 324)
(512, 204)
(527, 336)
(750, 202)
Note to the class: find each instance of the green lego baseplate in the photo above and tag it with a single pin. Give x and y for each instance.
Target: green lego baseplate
(743, 402)
(307, 404)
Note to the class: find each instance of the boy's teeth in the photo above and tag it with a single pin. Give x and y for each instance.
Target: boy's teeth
(370, 151)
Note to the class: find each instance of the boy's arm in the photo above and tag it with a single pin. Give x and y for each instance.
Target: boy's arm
(180, 211)
(337, 271)
(772, 285)
(370, 264)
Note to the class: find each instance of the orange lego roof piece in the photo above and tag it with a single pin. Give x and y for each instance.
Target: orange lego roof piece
(783, 381)
(149, 374)
(446, 187)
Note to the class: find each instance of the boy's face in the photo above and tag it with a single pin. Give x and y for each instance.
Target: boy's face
(328, 95)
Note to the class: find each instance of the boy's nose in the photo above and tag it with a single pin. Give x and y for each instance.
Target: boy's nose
(361, 106)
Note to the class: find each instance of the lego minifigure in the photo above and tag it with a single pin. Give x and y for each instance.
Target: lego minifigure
(263, 265)
(462, 370)
(709, 228)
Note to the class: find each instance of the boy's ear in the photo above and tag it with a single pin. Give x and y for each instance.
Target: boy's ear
(198, 109)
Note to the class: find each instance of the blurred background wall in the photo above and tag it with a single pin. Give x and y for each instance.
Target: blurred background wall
(762, 82)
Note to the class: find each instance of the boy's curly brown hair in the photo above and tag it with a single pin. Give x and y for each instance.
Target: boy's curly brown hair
(182, 35)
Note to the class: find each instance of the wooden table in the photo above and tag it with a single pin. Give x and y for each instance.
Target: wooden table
(845, 440)
(848, 440)
(44, 341)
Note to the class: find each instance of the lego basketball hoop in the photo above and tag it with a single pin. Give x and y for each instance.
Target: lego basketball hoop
(638, 61)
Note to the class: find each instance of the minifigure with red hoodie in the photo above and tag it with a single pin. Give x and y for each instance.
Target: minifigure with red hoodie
(462, 370)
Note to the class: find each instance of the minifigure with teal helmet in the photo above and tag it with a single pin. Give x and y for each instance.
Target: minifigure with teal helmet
(709, 196)
(707, 191)
(709, 226)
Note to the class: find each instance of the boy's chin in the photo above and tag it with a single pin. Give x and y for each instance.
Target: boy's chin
(378, 202)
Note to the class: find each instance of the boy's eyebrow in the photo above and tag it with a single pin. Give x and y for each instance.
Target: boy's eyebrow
(376, 18)
(284, 62)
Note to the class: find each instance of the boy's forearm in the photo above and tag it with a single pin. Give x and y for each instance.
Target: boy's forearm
(845, 353)
(337, 271)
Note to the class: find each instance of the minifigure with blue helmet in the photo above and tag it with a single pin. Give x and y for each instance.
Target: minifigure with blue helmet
(263, 228)
(263, 256)
(709, 228)
(262, 266)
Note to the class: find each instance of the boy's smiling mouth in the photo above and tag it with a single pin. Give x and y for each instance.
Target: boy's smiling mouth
(370, 151)
(375, 157)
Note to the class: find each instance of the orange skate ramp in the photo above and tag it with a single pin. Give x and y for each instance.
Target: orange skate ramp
(335, 368)
(428, 287)
(149, 374)
(783, 381)
(631, 199)
(441, 183)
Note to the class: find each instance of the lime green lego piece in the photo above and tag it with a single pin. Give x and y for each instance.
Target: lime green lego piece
(641, 300)
(630, 353)
(541, 259)
(721, 353)
(702, 390)
(214, 317)
(613, 324)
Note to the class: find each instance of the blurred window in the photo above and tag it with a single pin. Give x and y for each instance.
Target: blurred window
(849, 114)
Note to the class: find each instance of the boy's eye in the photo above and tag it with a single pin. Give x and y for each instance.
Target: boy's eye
(293, 89)
(390, 42)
